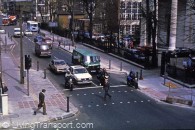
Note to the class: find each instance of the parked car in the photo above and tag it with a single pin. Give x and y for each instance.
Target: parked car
(28, 33)
(58, 66)
(80, 74)
(17, 32)
(134, 55)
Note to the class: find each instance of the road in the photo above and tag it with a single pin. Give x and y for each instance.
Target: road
(127, 109)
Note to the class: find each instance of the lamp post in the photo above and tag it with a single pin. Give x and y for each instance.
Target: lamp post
(21, 50)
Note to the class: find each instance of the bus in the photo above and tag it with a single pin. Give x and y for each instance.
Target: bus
(86, 58)
(42, 49)
(32, 26)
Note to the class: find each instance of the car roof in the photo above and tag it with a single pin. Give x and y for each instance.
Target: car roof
(77, 66)
(57, 60)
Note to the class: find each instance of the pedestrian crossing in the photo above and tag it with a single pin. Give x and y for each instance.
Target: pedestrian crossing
(94, 99)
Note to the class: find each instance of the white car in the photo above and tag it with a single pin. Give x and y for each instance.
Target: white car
(2, 31)
(58, 66)
(80, 74)
(17, 32)
(28, 33)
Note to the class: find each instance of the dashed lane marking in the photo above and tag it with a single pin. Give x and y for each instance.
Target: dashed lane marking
(114, 86)
(85, 94)
(77, 94)
(128, 102)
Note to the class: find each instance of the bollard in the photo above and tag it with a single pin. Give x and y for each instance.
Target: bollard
(121, 67)
(165, 79)
(44, 73)
(68, 104)
(109, 64)
(37, 65)
(141, 77)
(137, 75)
(5, 43)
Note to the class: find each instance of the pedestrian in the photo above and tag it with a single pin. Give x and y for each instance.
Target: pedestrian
(59, 43)
(41, 102)
(106, 87)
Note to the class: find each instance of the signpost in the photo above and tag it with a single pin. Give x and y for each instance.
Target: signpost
(53, 24)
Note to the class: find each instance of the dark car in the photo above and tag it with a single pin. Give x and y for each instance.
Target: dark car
(38, 38)
(134, 55)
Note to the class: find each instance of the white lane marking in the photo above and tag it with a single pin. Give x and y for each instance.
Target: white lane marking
(89, 105)
(121, 102)
(112, 91)
(131, 90)
(119, 91)
(77, 94)
(97, 105)
(135, 101)
(85, 94)
(128, 102)
(148, 100)
(142, 101)
(113, 103)
(55, 57)
(70, 95)
(95, 87)
(105, 104)
(125, 91)
(76, 119)
(92, 93)
(100, 92)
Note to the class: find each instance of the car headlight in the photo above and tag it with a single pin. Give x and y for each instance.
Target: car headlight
(78, 79)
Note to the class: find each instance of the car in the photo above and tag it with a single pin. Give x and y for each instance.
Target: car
(58, 66)
(17, 32)
(134, 55)
(80, 74)
(2, 31)
(38, 38)
(28, 33)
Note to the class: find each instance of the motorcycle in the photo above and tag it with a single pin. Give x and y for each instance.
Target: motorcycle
(69, 83)
(132, 81)
(102, 75)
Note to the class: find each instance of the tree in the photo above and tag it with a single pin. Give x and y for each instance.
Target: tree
(151, 25)
(90, 6)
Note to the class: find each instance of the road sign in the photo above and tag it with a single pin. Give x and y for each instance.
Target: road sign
(53, 24)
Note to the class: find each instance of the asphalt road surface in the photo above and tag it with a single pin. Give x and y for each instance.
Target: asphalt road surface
(127, 109)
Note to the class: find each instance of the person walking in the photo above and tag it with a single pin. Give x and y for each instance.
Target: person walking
(41, 102)
(106, 87)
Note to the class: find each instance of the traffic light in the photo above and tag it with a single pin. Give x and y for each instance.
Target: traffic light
(28, 62)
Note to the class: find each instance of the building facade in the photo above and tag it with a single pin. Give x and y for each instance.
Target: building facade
(175, 24)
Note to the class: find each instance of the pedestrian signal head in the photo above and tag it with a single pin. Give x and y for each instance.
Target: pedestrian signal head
(28, 62)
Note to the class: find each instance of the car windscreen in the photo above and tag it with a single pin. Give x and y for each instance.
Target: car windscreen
(16, 30)
(92, 59)
(80, 71)
(60, 63)
(44, 47)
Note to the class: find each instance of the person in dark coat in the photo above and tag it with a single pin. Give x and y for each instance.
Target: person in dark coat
(41, 102)
(106, 88)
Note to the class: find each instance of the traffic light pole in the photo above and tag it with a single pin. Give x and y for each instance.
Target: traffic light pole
(21, 51)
